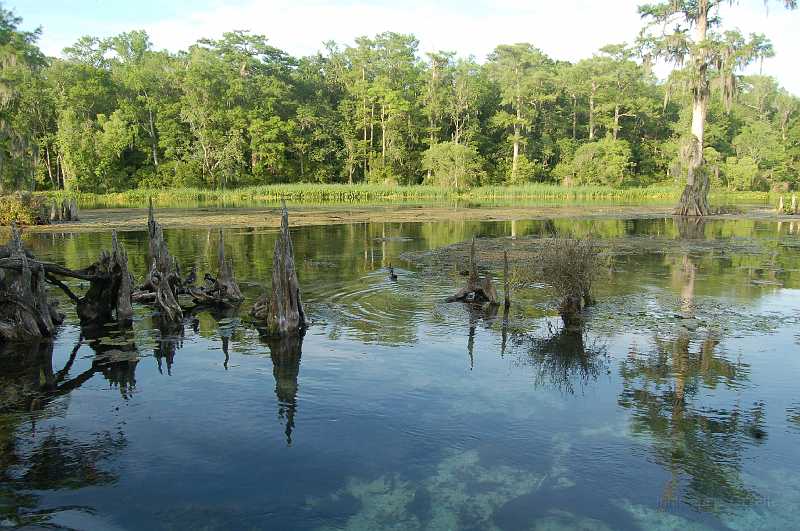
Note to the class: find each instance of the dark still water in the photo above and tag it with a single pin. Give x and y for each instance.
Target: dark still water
(678, 407)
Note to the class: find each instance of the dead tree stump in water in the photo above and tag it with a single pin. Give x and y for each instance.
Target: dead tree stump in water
(25, 312)
(223, 290)
(163, 281)
(66, 211)
(478, 289)
(109, 296)
(281, 313)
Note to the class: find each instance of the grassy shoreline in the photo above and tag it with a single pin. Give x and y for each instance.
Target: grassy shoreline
(329, 194)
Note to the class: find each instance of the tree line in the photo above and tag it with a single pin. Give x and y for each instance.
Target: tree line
(115, 113)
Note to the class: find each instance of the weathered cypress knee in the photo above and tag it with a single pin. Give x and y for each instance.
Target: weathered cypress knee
(478, 289)
(223, 290)
(26, 314)
(163, 279)
(282, 312)
(109, 295)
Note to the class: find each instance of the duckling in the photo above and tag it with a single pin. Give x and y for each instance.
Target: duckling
(392, 275)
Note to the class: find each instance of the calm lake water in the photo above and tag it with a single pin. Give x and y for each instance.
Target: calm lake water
(677, 407)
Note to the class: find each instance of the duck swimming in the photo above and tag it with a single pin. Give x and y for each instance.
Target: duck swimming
(392, 275)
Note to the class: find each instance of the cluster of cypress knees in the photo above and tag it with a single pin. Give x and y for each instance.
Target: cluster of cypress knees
(28, 314)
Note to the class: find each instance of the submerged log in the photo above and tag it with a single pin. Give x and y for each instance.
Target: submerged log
(281, 313)
(478, 289)
(222, 290)
(26, 314)
(109, 295)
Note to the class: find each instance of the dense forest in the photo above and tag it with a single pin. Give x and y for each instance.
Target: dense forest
(113, 114)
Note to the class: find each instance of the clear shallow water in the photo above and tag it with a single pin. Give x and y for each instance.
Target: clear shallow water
(403, 412)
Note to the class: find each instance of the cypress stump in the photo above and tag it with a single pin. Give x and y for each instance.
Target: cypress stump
(281, 312)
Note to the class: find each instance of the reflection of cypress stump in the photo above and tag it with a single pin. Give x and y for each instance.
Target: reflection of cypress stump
(478, 289)
(690, 228)
(282, 312)
(286, 352)
(25, 312)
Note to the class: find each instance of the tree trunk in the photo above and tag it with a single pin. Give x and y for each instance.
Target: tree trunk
(282, 313)
(574, 117)
(384, 126)
(591, 110)
(615, 132)
(694, 199)
(50, 168)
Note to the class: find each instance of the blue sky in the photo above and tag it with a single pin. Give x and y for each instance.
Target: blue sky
(565, 29)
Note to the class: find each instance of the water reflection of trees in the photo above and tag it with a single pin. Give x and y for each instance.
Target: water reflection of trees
(699, 446)
(564, 359)
(32, 460)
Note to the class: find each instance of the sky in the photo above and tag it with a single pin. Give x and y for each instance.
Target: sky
(565, 29)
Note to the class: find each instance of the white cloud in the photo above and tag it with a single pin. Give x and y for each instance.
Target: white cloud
(566, 29)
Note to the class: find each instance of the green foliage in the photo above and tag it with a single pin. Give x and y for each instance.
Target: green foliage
(453, 165)
(23, 208)
(741, 173)
(606, 162)
(114, 115)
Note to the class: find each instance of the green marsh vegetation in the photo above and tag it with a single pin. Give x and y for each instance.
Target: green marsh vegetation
(333, 194)
(237, 119)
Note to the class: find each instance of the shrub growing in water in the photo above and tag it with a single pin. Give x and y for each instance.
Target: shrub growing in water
(569, 267)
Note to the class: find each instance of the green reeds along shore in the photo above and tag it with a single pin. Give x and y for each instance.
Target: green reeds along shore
(330, 194)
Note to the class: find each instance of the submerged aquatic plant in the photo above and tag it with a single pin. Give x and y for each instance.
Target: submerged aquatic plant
(461, 493)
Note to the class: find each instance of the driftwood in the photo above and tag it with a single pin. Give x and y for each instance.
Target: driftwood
(478, 289)
(109, 295)
(281, 313)
(220, 291)
(26, 314)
